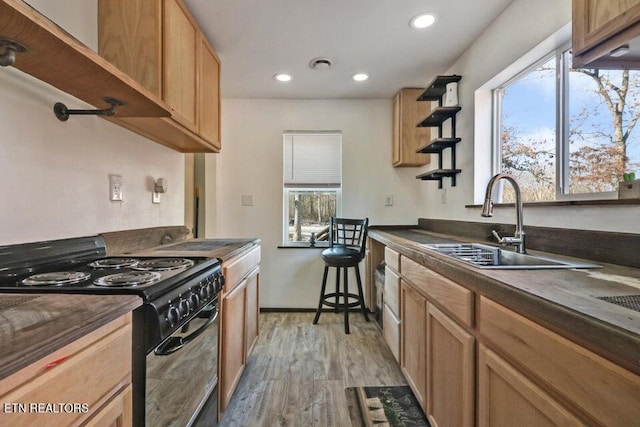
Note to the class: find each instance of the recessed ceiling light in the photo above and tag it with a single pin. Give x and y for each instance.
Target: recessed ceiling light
(360, 77)
(422, 20)
(282, 77)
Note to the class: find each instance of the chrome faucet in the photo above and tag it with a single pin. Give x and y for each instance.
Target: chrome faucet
(518, 240)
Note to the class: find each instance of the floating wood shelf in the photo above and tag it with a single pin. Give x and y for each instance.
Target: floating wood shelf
(438, 87)
(57, 58)
(439, 115)
(438, 145)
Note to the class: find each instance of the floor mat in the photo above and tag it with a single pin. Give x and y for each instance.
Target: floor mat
(393, 406)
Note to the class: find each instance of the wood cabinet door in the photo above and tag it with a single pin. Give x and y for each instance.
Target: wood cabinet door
(129, 36)
(180, 43)
(208, 94)
(413, 358)
(116, 413)
(596, 21)
(395, 152)
(450, 371)
(507, 398)
(252, 310)
(232, 341)
(407, 137)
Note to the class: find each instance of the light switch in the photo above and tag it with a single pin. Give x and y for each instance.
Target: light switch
(115, 188)
(247, 200)
(388, 200)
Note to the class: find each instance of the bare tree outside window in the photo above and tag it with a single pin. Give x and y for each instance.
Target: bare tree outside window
(599, 144)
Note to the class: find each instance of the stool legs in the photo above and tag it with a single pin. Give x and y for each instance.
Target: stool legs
(335, 308)
(346, 301)
(363, 309)
(324, 298)
(324, 285)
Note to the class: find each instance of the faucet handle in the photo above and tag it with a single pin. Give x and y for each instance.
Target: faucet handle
(497, 236)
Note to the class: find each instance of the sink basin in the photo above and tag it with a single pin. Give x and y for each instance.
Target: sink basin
(491, 257)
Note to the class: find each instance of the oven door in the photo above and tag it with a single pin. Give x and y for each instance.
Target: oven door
(182, 372)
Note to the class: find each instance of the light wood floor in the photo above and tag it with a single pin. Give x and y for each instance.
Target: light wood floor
(298, 372)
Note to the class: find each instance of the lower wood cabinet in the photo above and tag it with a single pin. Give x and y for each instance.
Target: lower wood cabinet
(471, 361)
(450, 371)
(391, 331)
(239, 327)
(507, 398)
(252, 311)
(413, 339)
(93, 373)
(593, 388)
(232, 341)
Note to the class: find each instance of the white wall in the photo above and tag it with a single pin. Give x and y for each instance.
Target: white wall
(520, 28)
(251, 163)
(55, 174)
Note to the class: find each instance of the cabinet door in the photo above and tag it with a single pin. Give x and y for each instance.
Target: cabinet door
(507, 398)
(450, 371)
(232, 341)
(407, 137)
(116, 413)
(253, 311)
(137, 52)
(180, 40)
(599, 27)
(209, 94)
(413, 358)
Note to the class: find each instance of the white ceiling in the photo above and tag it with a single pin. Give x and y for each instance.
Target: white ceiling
(256, 39)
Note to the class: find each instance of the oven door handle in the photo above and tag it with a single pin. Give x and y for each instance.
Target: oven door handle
(174, 344)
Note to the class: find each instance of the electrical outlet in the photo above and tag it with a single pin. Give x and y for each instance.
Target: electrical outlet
(247, 200)
(115, 188)
(388, 200)
(155, 198)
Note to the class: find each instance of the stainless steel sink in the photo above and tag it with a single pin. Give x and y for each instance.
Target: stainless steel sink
(491, 257)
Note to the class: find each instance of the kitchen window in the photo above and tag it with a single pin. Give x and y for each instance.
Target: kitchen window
(312, 185)
(565, 133)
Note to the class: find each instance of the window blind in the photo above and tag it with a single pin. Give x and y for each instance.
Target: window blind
(312, 160)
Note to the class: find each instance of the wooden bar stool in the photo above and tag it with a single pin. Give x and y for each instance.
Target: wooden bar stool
(347, 240)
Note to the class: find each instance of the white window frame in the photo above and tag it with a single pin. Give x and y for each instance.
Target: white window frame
(320, 187)
(562, 131)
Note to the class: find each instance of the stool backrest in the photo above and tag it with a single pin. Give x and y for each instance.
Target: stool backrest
(351, 233)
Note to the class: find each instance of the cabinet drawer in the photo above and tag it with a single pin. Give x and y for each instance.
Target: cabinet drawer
(391, 331)
(238, 267)
(91, 376)
(392, 259)
(599, 388)
(392, 290)
(454, 298)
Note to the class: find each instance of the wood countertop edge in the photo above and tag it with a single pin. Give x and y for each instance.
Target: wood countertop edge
(224, 253)
(36, 351)
(612, 342)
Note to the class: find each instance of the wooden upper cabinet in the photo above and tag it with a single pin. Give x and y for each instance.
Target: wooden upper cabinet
(407, 137)
(181, 42)
(209, 94)
(129, 36)
(159, 44)
(600, 27)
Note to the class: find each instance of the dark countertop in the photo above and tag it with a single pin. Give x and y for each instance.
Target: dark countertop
(562, 300)
(34, 325)
(224, 249)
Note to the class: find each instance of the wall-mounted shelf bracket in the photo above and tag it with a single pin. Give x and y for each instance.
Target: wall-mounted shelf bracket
(8, 49)
(62, 112)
